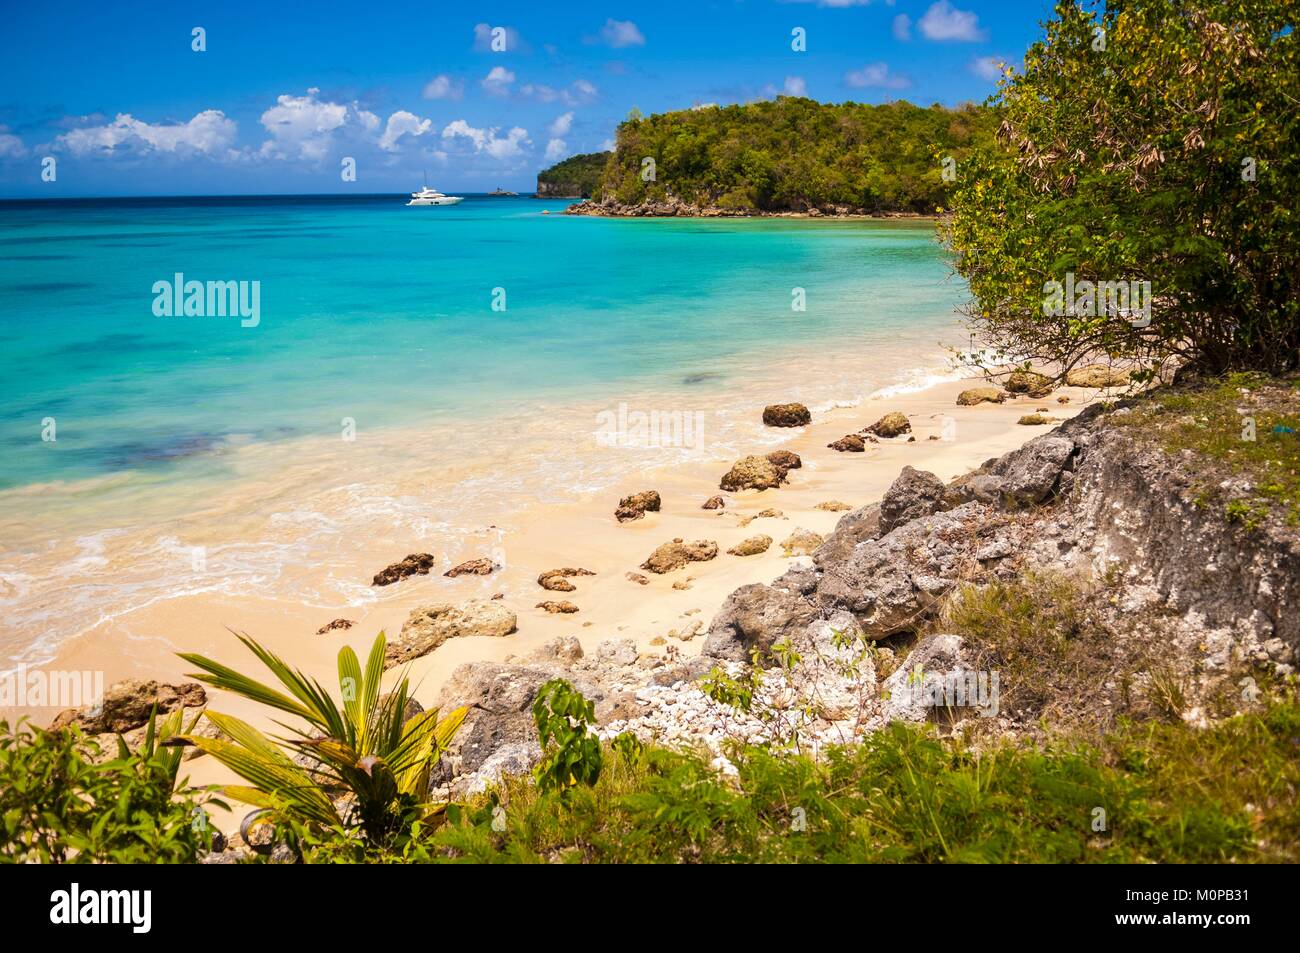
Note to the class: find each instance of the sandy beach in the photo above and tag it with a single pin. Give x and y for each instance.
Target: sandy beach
(582, 533)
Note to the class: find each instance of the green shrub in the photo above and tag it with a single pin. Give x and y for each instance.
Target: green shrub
(58, 806)
(571, 753)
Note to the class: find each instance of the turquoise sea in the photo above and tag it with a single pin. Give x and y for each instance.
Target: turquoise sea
(384, 315)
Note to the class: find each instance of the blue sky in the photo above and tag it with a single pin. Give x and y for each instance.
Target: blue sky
(283, 92)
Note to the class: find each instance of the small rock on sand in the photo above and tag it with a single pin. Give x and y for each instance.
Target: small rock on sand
(677, 554)
(978, 395)
(833, 506)
(556, 580)
(786, 415)
(1028, 382)
(553, 607)
(752, 546)
(849, 443)
(893, 424)
(1096, 375)
(785, 460)
(639, 579)
(473, 567)
(637, 505)
(714, 503)
(336, 624)
(801, 543)
(753, 473)
(417, 564)
(1035, 420)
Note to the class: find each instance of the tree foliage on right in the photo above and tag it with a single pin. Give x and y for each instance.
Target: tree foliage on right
(1142, 141)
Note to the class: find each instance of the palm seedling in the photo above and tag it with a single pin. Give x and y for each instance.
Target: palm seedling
(365, 754)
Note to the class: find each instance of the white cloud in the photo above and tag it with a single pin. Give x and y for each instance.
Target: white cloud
(837, 3)
(555, 149)
(210, 132)
(402, 123)
(578, 93)
(562, 124)
(902, 27)
(443, 86)
(304, 126)
(508, 146)
(943, 21)
(10, 145)
(621, 33)
(795, 86)
(988, 67)
(608, 145)
(876, 74)
(497, 81)
(514, 43)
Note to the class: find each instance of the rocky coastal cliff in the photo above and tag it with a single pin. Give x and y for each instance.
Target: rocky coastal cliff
(1173, 605)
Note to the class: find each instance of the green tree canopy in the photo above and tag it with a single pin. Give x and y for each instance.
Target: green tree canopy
(1142, 141)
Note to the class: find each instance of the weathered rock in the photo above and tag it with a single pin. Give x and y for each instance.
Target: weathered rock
(1028, 382)
(1032, 473)
(916, 493)
(755, 617)
(853, 528)
(801, 542)
(617, 652)
(978, 395)
(752, 546)
(336, 624)
(849, 443)
(785, 461)
(427, 627)
(677, 554)
(753, 473)
(500, 699)
(893, 424)
(833, 506)
(981, 486)
(637, 578)
(893, 583)
(1036, 420)
(1096, 375)
(564, 648)
(786, 415)
(714, 503)
(553, 607)
(769, 513)
(417, 564)
(557, 580)
(637, 505)
(930, 673)
(473, 567)
(128, 704)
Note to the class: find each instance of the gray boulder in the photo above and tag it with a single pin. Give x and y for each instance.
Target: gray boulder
(754, 617)
(914, 494)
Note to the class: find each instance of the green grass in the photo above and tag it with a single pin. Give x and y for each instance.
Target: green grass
(1170, 793)
(1210, 421)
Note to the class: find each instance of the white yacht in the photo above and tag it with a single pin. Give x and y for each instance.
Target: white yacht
(428, 196)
